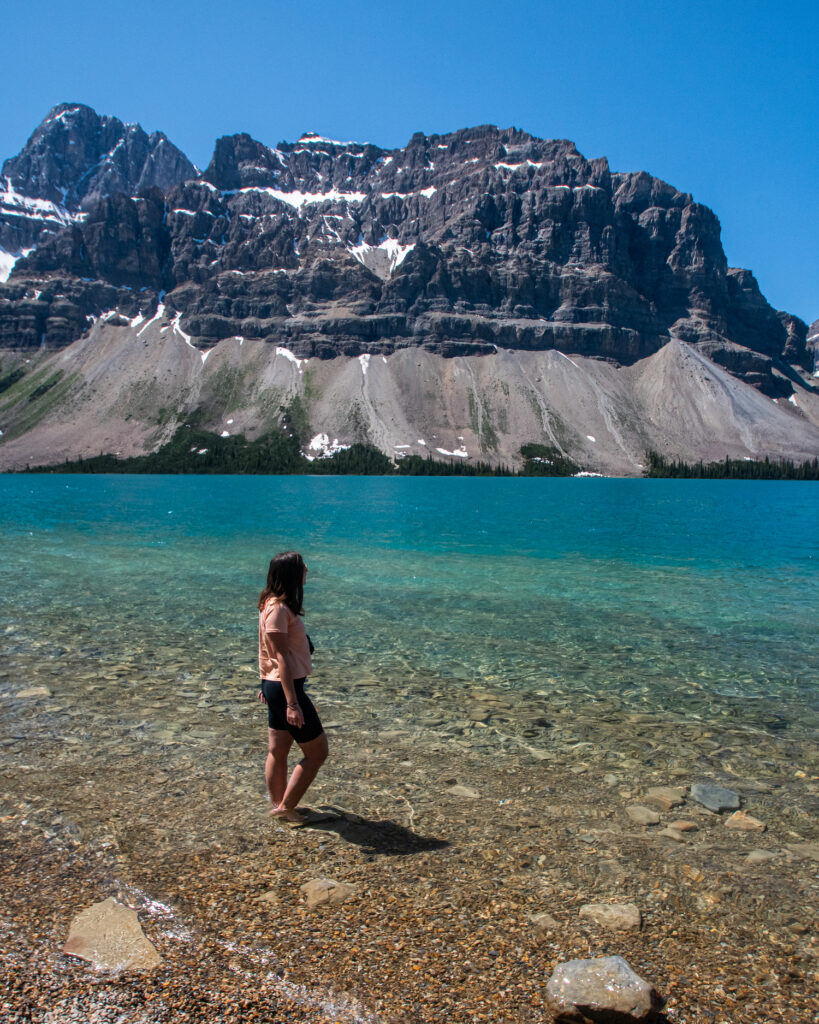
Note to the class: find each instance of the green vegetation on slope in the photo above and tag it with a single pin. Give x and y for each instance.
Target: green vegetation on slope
(11, 378)
(44, 388)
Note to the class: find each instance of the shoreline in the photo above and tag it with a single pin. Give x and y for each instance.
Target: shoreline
(452, 849)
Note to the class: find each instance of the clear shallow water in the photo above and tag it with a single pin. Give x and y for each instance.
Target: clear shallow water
(671, 596)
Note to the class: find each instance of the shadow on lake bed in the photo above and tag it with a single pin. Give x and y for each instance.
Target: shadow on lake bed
(375, 837)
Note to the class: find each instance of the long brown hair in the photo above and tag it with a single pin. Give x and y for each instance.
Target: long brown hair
(285, 580)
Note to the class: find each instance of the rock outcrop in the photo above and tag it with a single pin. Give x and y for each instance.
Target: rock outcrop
(475, 243)
(74, 160)
(461, 243)
(813, 346)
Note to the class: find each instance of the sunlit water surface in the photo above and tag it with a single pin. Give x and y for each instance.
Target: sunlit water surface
(668, 594)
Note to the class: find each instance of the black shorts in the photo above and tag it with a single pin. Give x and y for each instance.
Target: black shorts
(277, 710)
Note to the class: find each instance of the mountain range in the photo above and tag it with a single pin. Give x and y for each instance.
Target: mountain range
(460, 296)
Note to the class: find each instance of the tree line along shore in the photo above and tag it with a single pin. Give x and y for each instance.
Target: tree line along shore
(194, 450)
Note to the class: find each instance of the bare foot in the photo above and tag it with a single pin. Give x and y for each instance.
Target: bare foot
(288, 813)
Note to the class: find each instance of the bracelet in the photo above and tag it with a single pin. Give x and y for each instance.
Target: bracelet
(292, 705)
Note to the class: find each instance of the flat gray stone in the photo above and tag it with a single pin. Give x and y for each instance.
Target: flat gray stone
(617, 917)
(605, 989)
(715, 798)
(110, 936)
(642, 815)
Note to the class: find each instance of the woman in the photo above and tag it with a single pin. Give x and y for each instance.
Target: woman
(284, 664)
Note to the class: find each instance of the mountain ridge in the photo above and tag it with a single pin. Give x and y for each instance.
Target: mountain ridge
(468, 243)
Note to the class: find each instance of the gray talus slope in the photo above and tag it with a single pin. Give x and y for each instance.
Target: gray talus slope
(693, 406)
(124, 388)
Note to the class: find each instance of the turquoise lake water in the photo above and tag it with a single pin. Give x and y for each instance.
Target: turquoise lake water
(675, 596)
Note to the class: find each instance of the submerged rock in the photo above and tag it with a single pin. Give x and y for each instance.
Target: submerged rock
(271, 896)
(810, 851)
(665, 797)
(544, 922)
(760, 856)
(745, 822)
(715, 798)
(463, 791)
(604, 990)
(642, 815)
(110, 936)
(615, 916)
(324, 890)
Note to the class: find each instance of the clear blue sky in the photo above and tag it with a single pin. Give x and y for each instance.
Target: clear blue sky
(720, 98)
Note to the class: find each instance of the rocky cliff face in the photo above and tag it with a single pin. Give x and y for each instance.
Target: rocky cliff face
(74, 160)
(813, 345)
(461, 244)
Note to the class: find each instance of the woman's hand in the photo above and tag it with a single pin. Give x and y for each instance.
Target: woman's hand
(295, 716)
(262, 697)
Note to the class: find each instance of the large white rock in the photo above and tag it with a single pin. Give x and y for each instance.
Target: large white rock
(604, 990)
(111, 937)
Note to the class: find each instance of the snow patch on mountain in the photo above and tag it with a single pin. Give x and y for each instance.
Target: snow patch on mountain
(7, 261)
(299, 199)
(158, 315)
(311, 137)
(287, 354)
(381, 259)
(321, 447)
(15, 204)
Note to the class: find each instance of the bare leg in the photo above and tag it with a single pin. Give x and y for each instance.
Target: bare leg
(279, 742)
(315, 754)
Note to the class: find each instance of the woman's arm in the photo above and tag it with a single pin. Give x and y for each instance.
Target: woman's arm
(281, 647)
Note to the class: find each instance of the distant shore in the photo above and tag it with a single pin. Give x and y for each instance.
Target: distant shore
(193, 450)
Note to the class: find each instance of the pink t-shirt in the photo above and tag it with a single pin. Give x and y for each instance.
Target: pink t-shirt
(276, 617)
